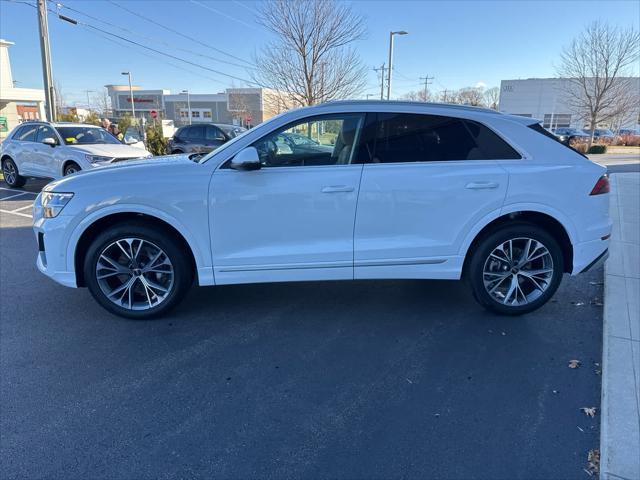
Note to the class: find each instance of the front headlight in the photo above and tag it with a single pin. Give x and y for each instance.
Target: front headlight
(96, 160)
(53, 203)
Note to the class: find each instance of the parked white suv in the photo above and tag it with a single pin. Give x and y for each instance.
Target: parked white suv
(54, 150)
(385, 190)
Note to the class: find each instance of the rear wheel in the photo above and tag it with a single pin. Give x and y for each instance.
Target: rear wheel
(137, 271)
(11, 174)
(71, 168)
(516, 269)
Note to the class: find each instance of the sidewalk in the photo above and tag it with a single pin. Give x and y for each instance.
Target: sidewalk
(620, 428)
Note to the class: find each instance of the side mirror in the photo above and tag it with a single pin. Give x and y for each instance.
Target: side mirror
(246, 159)
(50, 141)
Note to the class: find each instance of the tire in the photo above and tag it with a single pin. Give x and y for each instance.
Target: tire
(177, 152)
(71, 168)
(11, 175)
(505, 283)
(148, 294)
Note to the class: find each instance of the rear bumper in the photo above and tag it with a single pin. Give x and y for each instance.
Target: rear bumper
(587, 255)
(597, 262)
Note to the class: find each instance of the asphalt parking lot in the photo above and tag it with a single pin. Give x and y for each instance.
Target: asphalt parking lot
(340, 379)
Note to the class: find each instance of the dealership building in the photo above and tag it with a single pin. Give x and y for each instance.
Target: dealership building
(239, 106)
(543, 99)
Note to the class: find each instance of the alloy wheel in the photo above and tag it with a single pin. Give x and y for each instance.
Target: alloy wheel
(135, 274)
(518, 271)
(9, 172)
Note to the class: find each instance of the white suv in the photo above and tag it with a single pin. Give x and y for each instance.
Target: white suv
(385, 190)
(54, 150)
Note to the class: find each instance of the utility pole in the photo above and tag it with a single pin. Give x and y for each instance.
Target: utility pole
(444, 99)
(88, 102)
(381, 69)
(45, 52)
(427, 81)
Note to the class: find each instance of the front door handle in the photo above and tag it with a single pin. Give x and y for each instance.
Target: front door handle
(481, 185)
(337, 189)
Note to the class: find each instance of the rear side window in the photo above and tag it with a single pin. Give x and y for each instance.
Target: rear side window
(194, 133)
(541, 130)
(492, 146)
(26, 133)
(432, 138)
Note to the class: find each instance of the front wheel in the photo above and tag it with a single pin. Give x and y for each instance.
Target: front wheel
(137, 271)
(11, 175)
(516, 269)
(71, 168)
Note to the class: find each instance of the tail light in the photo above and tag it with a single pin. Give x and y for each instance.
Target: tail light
(601, 186)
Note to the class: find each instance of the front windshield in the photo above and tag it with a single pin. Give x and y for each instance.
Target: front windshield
(79, 135)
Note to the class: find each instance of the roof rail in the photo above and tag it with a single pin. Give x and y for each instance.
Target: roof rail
(455, 106)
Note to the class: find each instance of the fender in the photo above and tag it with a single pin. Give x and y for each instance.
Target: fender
(518, 207)
(202, 258)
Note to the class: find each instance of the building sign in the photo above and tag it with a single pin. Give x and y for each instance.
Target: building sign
(4, 126)
(141, 102)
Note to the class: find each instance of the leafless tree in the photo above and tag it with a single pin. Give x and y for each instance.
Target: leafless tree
(419, 96)
(101, 100)
(311, 60)
(471, 96)
(492, 97)
(597, 67)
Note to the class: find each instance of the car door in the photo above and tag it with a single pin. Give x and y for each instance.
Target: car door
(25, 139)
(213, 138)
(44, 156)
(430, 180)
(293, 218)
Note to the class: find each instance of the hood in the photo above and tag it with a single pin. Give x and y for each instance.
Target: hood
(112, 173)
(115, 150)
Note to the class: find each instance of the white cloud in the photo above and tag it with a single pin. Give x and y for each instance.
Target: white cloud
(481, 84)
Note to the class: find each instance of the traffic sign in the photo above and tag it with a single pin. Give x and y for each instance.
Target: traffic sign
(153, 113)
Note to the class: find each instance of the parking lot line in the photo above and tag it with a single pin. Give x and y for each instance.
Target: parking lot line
(14, 196)
(16, 213)
(22, 208)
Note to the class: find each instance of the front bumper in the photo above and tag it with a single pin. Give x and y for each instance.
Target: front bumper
(52, 246)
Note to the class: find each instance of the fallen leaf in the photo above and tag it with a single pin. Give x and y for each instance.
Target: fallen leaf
(596, 283)
(589, 411)
(503, 334)
(574, 363)
(593, 461)
(597, 303)
(581, 429)
(577, 304)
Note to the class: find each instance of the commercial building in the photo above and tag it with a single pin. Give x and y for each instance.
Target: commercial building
(240, 106)
(144, 101)
(16, 104)
(544, 99)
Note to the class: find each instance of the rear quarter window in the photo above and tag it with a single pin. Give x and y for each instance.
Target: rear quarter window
(536, 127)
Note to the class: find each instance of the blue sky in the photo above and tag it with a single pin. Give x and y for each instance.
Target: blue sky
(460, 43)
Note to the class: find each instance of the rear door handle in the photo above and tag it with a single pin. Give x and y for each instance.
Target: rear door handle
(337, 188)
(481, 185)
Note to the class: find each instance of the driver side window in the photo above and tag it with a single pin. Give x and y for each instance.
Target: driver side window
(322, 140)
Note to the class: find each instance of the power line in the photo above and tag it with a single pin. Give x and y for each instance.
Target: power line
(230, 17)
(90, 27)
(178, 32)
(153, 39)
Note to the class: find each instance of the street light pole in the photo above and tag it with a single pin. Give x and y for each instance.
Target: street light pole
(188, 104)
(45, 50)
(391, 34)
(133, 108)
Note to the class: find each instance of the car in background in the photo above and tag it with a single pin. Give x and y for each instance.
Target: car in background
(53, 150)
(202, 138)
(602, 135)
(406, 191)
(629, 136)
(295, 144)
(570, 135)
